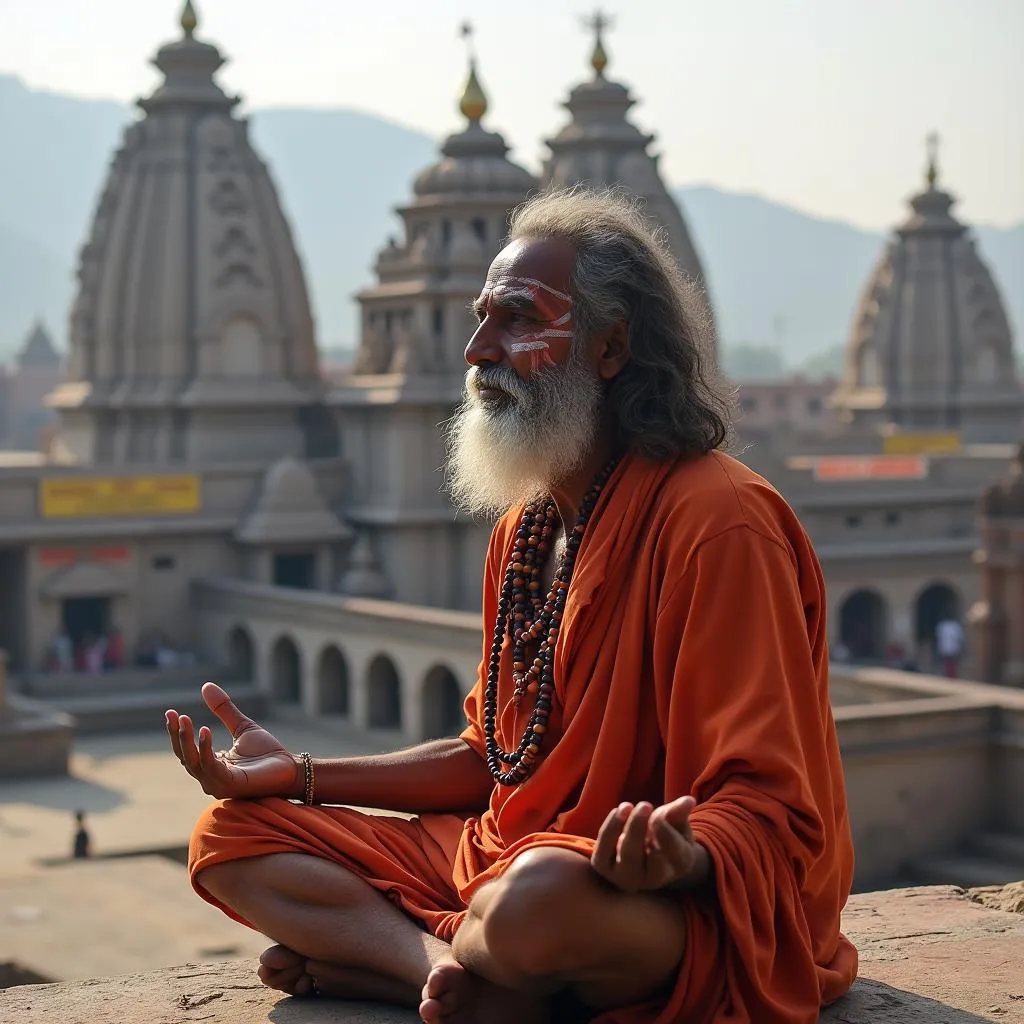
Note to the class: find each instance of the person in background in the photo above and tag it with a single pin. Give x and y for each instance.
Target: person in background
(83, 844)
(62, 652)
(114, 656)
(95, 654)
(949, 646)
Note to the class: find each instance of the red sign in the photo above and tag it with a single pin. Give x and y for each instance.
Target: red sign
(871, 467)
(68, 556)
(58, 556)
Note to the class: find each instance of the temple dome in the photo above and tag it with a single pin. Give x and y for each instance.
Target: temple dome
(930, 344)
(473, 161)
(601, 147)
(415, 320)
(363, 577)
(290, 508)
(38, 349)
(192, 300)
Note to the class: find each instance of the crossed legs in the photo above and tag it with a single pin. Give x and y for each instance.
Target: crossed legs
(548, 924)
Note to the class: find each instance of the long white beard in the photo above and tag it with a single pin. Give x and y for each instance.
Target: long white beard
(503, 454)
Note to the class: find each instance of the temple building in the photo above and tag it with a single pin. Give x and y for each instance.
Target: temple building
(409, 370)
(928, 416)
(204, 467)
(191, 336)
(24, 385)
(193, 437)
(930, 346)
(601, 147)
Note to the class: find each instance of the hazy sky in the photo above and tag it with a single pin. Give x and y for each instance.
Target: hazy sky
(823, 104)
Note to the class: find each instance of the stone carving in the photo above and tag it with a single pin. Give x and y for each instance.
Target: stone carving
(234, 240)
(238, 273)
(227, 199)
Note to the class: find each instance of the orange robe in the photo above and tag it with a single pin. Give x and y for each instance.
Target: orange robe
(692, 659)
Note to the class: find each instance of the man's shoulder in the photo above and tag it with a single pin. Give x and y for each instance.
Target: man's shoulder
(711, 494)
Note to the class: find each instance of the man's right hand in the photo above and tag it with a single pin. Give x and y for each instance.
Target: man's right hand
(256, 765)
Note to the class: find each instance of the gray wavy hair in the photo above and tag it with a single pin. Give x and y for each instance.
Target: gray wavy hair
(669, 399)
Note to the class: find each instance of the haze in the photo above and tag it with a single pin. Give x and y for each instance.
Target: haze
(822, 104)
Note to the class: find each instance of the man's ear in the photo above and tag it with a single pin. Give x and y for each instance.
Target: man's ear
(612, 350)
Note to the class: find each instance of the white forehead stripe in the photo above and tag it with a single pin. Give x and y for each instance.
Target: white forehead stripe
(527, 346)
(563, 319)
(513, 293)
(546, 287)
(549, 333)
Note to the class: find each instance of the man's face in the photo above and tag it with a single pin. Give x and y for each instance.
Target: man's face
(524, 309)
(532, 398)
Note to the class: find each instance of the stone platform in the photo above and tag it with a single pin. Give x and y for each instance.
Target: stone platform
(34, 739)
(928, 956)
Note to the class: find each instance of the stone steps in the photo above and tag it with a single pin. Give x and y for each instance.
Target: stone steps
(95, 713)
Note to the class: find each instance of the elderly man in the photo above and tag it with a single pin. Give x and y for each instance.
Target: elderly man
(645, 818)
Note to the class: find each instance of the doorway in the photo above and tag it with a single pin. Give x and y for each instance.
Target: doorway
(862, 625)
(297, 570)
(85, 617)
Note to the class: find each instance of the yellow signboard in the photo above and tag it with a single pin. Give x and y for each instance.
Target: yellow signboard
(66, 497)
(930, 443)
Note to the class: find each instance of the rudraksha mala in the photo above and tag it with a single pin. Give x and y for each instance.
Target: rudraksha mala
(529, 618)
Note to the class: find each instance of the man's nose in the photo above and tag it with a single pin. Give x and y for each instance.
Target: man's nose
(485, 348)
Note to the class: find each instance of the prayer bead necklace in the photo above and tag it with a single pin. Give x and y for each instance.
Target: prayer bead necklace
(527, 618)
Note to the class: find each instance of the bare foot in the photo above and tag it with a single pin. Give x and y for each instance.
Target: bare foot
(454, 996)
(284, 969)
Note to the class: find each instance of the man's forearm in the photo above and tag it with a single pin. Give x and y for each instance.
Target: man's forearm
(442, 775)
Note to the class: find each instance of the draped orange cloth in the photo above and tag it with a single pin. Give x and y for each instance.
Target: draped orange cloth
(691, 660)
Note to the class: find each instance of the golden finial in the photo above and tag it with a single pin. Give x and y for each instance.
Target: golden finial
(474, 101)
(932, 147)
(599, 21)
(189, 21)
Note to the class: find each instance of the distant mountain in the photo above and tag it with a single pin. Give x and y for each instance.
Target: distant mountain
(776, 274)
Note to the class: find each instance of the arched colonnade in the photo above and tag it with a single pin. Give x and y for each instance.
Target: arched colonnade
(327, 682)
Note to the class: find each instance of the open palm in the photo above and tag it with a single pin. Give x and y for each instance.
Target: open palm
(256, 765)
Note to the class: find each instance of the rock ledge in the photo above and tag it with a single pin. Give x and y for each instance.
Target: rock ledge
(936, 955)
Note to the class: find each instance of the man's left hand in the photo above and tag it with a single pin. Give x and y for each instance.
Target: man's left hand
(642, 848)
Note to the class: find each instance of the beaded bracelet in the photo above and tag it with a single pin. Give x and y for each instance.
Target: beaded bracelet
(307, 765)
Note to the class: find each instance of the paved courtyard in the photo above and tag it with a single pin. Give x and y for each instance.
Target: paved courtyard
(130, 908)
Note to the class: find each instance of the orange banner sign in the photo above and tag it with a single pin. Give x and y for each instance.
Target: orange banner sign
(871, 467)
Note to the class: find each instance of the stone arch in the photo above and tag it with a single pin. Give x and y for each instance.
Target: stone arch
(285, 671)
(332, 682)
(934, 603)
(442, 702)
(863, 624)
(241, 657)
(384, 694)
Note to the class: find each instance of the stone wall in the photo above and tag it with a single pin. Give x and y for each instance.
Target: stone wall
(929, 762)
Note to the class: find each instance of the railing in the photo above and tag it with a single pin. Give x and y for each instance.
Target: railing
(928, 761)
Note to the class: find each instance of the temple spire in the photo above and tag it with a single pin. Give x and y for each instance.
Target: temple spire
(932, 147)
(189, 20)
(473, 103)
(598, 22)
